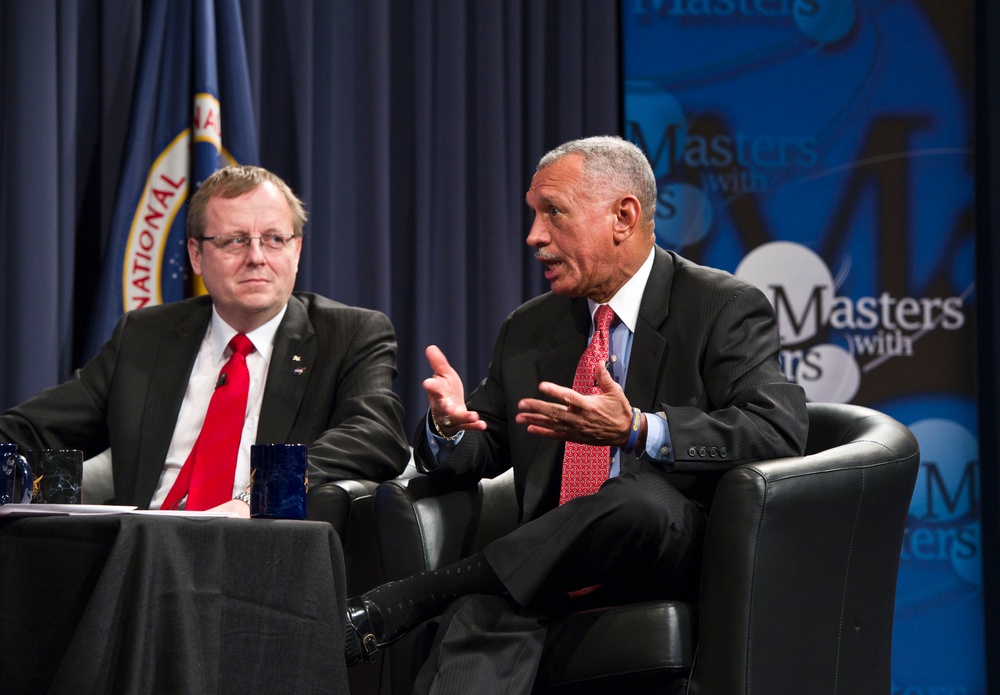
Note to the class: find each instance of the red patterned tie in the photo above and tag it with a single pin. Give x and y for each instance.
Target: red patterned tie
(207, 475)
(585, 467)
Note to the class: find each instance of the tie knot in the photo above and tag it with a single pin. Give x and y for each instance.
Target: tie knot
(603, 317)
(241, 344)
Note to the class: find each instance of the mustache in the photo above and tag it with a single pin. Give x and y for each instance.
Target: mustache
(543, 256)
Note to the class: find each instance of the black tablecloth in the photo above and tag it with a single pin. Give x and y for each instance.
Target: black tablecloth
(163, 604)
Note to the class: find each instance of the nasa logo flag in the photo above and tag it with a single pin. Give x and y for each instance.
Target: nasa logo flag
(191, 114)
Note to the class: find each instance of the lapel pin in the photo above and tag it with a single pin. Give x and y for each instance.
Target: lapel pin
(296, 358)
(299, 371)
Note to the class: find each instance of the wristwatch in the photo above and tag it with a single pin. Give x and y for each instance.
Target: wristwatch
(243, 497)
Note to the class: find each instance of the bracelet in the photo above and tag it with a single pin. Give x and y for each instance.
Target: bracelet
(633, 435)
(437, 429)
(243, 497)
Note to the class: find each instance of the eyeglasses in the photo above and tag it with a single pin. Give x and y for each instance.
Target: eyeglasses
(237, 244)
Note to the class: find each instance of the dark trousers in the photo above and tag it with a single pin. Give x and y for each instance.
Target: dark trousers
(638, 538)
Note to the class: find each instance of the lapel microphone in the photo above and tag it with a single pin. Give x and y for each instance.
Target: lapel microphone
(221, 381)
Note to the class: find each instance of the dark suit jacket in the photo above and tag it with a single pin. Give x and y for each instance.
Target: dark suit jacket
(704, 356)
(329, 385)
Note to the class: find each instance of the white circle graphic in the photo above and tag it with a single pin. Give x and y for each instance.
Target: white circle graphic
(947, 485)
(946, 494)
(798, 284)
(827, 373)
(683, 215)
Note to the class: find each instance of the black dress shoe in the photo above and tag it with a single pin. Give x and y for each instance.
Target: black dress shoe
(365, 630)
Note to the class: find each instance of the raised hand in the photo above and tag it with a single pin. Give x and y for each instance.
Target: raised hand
(446, 396)
(601, 419)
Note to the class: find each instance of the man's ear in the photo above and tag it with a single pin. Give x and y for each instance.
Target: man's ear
(194, 253)
(627, 211)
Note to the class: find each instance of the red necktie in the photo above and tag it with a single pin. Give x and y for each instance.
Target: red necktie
(585, 467)
(207, 475)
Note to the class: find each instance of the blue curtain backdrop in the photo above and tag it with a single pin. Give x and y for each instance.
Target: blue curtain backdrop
(191, 112)
(411, 130)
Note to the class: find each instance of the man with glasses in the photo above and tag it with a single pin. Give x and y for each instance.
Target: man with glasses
(316, 371)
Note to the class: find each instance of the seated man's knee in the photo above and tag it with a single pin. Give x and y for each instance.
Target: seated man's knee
(649, 504)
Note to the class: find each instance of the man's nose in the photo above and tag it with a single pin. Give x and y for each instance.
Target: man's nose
(538, 235)
(255, 253)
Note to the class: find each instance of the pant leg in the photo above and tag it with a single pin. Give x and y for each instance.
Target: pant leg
(638, 533)
(484, 646)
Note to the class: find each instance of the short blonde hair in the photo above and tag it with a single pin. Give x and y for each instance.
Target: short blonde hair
(232, 182)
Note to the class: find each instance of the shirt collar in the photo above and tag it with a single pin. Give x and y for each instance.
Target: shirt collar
(262, 338)
(627, 300)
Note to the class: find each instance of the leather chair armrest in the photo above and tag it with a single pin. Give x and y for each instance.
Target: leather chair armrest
(434, 523)
(332, 502)
(800, 564)
(348, 505)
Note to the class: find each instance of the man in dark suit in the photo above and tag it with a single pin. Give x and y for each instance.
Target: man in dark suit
(320, 372)
(688, 386)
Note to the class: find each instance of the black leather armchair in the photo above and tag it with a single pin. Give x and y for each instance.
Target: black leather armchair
(798, 580)
(348, 505)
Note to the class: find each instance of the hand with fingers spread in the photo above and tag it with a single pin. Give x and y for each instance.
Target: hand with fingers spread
(601, 419)
(446, 397)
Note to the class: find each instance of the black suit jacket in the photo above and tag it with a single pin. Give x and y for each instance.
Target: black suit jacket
(704, 356)
(329, 385)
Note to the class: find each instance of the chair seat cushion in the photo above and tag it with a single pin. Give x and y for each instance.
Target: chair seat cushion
(638, 639)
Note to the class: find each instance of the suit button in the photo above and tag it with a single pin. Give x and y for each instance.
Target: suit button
(713, 452)
(723, 452)
(692, 452)
(703, 452)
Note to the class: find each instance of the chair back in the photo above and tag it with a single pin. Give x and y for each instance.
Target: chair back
(801, 559)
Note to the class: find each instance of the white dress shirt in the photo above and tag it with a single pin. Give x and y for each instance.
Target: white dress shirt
(212, 356)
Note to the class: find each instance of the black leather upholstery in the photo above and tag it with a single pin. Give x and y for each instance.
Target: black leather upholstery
(798, 580)
(348, 505)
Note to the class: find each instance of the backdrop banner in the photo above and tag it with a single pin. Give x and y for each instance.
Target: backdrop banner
(193, 62)
(823, 150)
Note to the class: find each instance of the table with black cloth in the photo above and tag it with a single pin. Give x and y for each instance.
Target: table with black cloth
(134, 603)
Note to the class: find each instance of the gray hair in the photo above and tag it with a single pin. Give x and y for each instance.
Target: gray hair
(614, 163)
(232, 182)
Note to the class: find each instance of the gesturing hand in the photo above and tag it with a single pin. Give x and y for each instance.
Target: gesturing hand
(446, 396)
(601, 419)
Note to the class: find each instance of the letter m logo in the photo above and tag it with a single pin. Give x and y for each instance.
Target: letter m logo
(946, 503)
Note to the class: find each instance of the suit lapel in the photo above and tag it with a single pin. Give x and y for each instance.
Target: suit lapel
(569, 340)
(168, 383)
(649, 347)
(288, 374)
(558, 365)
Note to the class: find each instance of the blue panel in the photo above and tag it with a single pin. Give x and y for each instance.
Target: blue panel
(822, 149)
